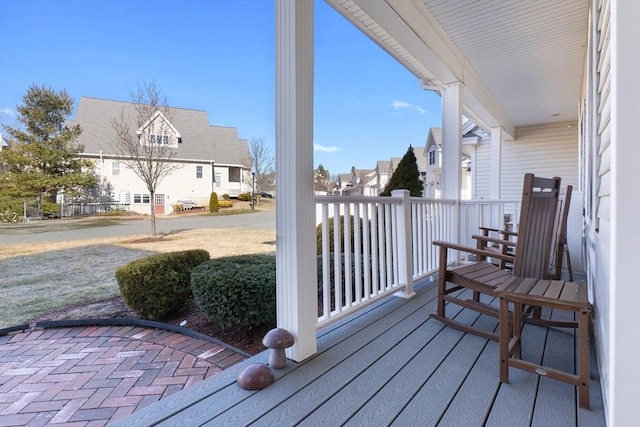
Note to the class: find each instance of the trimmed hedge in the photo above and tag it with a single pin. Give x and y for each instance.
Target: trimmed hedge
(331, 228)
(157, 286)
(244, 197)
(237, 291)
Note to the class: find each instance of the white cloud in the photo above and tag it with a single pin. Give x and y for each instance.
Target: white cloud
(8, 112)
(398, 105)
(324, 149)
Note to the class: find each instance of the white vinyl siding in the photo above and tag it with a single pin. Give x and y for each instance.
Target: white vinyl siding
(546, 150)
(603, 81)
(482, 171)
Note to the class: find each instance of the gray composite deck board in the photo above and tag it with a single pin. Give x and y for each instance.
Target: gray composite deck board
(383, 352)
(371, 338)
(551, 402)
(429, 404)
(392, 364)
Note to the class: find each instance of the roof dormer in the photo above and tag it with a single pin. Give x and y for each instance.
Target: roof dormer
(158, 130)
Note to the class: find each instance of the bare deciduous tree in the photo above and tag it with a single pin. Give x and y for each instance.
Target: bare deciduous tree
(146, 142)
(261, 162)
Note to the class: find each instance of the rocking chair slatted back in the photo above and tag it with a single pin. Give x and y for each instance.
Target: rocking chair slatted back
(537, 220)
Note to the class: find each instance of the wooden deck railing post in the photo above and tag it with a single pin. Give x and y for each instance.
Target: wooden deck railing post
(403, 242)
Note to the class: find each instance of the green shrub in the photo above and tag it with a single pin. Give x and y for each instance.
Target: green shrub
(225, 196)
(213, 202)
(11, 209)
(245, 197)
(331, 239)
(343, 282)
(225, 203)
(157, 286)
(237, 291)
(49, 209)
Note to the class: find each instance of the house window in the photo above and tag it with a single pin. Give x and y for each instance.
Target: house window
(432, 155)
(159, 139)
(141, 199)
(159, 199)
(115, 168)
(199, 171)
(218, 179)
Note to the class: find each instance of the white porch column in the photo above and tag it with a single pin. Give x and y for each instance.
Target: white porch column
(496, 155)
(622, 391)
(452, 149)
(296, 287)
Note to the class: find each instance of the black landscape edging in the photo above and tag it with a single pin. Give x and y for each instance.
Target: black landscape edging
(124, 322)
(7, 331)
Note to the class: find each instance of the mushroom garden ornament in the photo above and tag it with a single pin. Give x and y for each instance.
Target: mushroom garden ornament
(277, 340)
(255, 377)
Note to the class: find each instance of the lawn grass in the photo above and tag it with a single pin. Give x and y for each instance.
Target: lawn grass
(35, 284)
(37, 279)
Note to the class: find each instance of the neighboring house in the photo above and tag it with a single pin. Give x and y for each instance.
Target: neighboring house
(421, 162)
(208, 158)
(433, 155)
(472, 137)
(347, 184)
(382, 175)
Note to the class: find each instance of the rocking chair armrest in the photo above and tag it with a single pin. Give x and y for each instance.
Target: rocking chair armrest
(496, 230)
(475, 251)
(494, 240)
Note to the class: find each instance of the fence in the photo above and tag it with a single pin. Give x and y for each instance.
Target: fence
(80, 208)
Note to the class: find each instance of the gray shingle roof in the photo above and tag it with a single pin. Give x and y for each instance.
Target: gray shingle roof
(200, 141)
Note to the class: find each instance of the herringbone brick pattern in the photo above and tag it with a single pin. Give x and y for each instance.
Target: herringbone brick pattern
(90, 376)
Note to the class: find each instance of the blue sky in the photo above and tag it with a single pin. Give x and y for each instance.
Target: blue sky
(216, 56)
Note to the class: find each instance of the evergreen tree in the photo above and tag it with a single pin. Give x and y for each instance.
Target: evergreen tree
(42, 157)
(406, 176)
(321, 179)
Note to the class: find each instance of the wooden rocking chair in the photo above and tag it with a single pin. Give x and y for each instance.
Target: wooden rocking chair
(559, 248)
(533, 246)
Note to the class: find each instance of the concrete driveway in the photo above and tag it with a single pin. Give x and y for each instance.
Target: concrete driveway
(92, 228)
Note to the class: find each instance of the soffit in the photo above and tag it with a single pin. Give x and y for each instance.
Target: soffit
(521, 61)
(529, 54)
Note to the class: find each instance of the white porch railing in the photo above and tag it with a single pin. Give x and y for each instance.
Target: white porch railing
(486, 213)
(390, 244)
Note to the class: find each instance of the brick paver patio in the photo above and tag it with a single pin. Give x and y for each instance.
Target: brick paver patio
(90, 376)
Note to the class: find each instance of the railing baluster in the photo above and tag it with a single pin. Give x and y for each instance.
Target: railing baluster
(348, 273)
(357, 246)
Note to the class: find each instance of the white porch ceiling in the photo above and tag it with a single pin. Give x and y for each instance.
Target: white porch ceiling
(521, 62)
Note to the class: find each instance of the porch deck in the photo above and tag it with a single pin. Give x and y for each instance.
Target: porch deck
(390, 364)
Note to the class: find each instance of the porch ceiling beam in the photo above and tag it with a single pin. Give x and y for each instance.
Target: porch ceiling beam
(407, 31)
